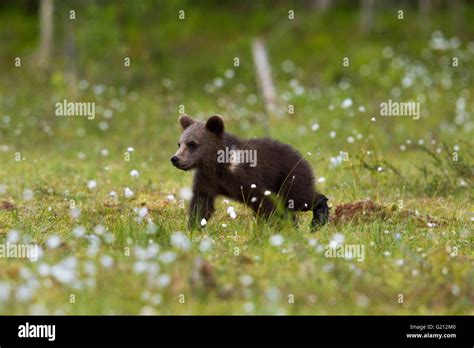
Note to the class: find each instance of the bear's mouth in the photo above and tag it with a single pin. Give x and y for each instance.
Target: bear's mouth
(181, 166)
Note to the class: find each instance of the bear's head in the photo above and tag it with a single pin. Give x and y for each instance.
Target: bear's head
(199, 143)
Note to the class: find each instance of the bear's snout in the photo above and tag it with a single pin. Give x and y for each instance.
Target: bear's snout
(175, 160)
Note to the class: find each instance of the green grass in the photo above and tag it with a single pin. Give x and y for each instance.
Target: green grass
(242, 272)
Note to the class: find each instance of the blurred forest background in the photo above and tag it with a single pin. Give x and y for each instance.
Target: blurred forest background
(86, 189)
(182, 50)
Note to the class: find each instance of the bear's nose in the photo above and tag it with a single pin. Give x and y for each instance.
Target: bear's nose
(174, 160)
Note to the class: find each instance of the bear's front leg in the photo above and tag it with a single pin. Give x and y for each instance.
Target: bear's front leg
(202, 207)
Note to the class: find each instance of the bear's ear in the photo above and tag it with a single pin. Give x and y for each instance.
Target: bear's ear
(215, 124)
(185, 121)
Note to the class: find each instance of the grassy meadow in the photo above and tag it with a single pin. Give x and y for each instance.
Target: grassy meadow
(108, 211)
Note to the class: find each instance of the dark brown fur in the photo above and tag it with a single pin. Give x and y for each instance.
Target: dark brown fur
(279, 169)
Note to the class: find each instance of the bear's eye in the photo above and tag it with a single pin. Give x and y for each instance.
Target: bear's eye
(192, 145)
(178, 145)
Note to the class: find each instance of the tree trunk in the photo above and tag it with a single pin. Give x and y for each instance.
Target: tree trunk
(367, 15)
(321, 5)
(264, 79)
(424, 6)
(46, 33)
(70, 55)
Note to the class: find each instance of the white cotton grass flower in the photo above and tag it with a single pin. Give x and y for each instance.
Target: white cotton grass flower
(315, 127)
(253, 186)
(53, 242)
(109, 238)
(399, 262)
(128, 193)
(231, 212)
(152, 251)
(91, 184)
(79, 231)
(90, 268)
(156, 299)
(171, 198)
(321, 180)
(13, 236)
(180, 241)
(147, 310)
(108, 113)
(151, 228)
(253, 199)
(203, 222)
(276, 240)
(362, 300)
(185, 193)
(273, 294)
(24, 293)
(205, 245)
(249, 307)
(140, 267)
(113, 194)
(229, 73)
(5, 290)
(346, 103)
(99, 230)
(163, 280)
(168, 257)
(130, 149)
(65, 270)
(246, 280)
(3, 189)
(337, 161)
(140, 253)
(218, 82)
(104, 152)
(107, 261)
(267, 193)
(103, 126)
(75, 212)
(332, 134)
(142, 213)
(134, 173)
(28, 195)
(337, 240)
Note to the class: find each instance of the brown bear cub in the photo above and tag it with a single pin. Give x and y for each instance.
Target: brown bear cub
(248, 171)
